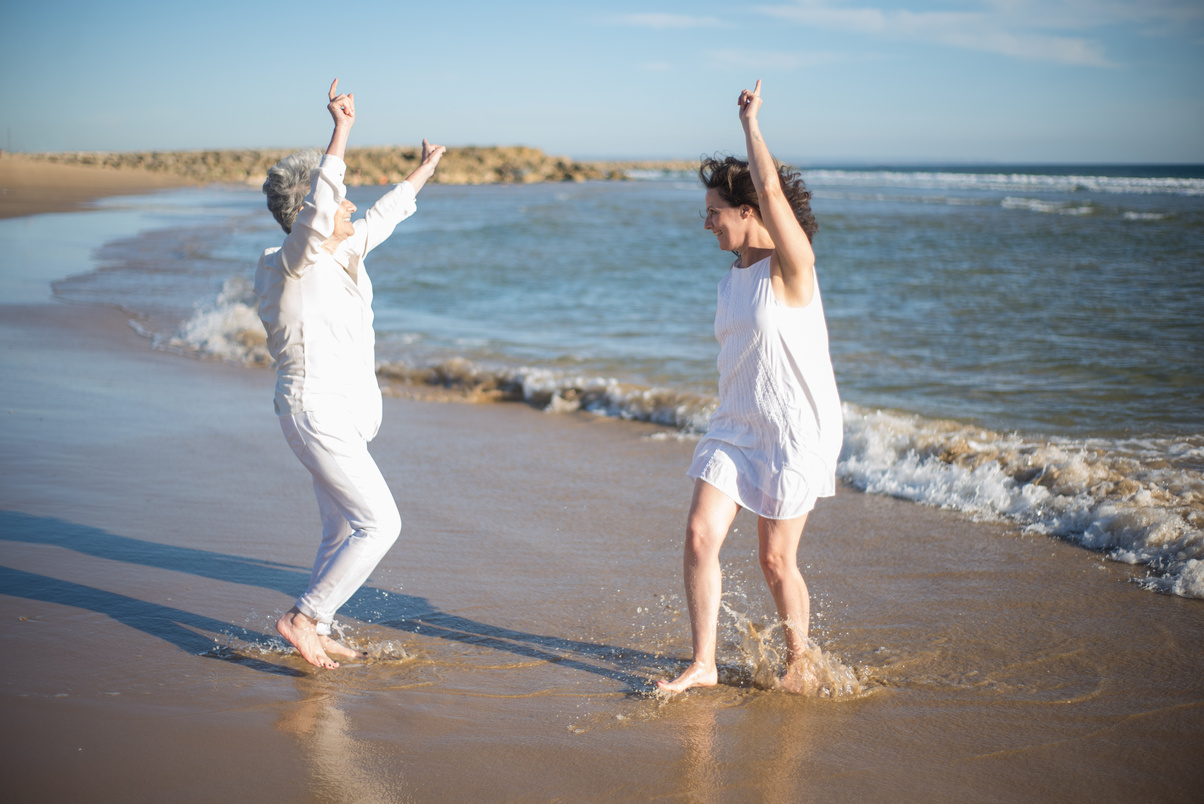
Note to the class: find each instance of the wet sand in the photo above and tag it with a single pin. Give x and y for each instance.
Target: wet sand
(153, 525)
(152, 515)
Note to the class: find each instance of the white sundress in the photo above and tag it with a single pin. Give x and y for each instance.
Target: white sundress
(774, 440)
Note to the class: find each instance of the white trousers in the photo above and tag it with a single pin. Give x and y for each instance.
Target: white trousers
(360, 520)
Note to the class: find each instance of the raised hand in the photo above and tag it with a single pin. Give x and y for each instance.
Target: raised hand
(749, 103)
(341, 107)
(431, 154)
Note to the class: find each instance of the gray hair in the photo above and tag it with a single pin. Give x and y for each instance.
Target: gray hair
(288, 182)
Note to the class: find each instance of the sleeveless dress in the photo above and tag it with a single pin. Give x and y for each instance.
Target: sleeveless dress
(774, 440)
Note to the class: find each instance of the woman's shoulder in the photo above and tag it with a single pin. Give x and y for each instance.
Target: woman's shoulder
(269, 258)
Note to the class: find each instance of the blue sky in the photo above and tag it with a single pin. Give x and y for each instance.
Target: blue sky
(855, 81)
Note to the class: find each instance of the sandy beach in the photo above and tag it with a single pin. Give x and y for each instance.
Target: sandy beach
(32, 187)
(153, 525)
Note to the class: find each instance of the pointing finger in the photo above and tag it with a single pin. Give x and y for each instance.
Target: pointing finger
(757, 92)
(333, 87)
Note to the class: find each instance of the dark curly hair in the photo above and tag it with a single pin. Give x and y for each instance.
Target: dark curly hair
(732, 178)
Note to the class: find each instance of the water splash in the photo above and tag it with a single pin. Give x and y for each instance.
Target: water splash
(227, 329)
(816, 673)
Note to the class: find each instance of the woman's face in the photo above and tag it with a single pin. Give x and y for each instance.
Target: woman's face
(342, 220)
(726, 222)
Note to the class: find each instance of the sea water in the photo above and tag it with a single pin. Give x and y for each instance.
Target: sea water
(1017, 343)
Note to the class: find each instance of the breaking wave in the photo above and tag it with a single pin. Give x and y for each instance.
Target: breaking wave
(227, 329)
(1007, 182)
(1138, 501)
(1037, 205)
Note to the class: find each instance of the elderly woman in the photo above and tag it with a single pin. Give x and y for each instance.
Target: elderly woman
(774, 440)
(316, 305)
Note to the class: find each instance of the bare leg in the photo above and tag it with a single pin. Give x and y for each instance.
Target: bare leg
(711, 514)
(301, 632)
(778, 543)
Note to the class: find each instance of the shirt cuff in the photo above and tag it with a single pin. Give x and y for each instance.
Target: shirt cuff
(334, 165)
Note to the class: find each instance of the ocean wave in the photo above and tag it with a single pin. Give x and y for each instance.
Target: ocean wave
(559, 392)
(657, 174)
(1037, 205)
(947, 200)
(1005, 182)
(1138, 502)
(227, 329)
(1146, 216)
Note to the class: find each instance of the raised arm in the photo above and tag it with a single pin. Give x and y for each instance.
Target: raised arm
(315, 221)
(792, 250)
(398, 204)
(342, 109)
(431, 154)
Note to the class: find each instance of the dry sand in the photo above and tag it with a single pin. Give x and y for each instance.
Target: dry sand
(32, 187)
(153, 524)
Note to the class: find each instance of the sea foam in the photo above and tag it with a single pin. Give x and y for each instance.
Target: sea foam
(1137, 501)
(226, 329)
(1038, 205)
(1006, 182)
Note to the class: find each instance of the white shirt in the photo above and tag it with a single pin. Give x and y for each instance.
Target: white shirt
(317, 307)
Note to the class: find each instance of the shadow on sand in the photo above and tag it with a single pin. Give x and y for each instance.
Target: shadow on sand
(390, 609)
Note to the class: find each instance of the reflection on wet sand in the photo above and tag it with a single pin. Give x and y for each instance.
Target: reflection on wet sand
(748, 741)
(698, 770)
(341, 768)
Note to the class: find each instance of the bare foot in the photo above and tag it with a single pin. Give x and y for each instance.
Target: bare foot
(795, 680)
(696, 675)
(335, 648)
(800, 677)
(301, 633)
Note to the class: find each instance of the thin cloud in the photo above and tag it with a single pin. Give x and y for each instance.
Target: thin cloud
(771, 60)
(1088, 14)
(1038, 31)
(663, 21)
(760, 60)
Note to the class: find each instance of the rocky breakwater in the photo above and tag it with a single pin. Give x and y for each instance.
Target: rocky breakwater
(643, 167)
(385, 165)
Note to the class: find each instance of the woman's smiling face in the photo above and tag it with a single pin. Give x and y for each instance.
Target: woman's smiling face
(342, 220)
(726, 222)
